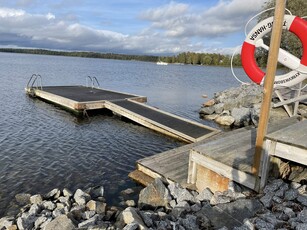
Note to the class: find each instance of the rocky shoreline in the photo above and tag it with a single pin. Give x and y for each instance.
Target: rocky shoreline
(240, 106)
(281, 206)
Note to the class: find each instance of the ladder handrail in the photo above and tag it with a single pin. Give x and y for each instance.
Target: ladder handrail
(93, 81)
(33, 79)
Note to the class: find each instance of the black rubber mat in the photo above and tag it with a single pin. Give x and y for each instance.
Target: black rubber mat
(83, 94)
(182, 126)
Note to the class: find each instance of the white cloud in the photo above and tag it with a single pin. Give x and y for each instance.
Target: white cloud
(224, 18)
(174, 27)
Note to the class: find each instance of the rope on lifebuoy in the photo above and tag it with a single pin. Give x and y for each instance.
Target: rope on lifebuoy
(294, 24)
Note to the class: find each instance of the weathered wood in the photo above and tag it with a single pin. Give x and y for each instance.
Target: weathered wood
(141, 177)
(158, 165)
(288, 143)
(243, 178)
(231, 156)
(268, 85)
(209, 179)
(295, 135)
(156, 119)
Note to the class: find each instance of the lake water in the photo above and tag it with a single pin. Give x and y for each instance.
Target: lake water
(43, 147)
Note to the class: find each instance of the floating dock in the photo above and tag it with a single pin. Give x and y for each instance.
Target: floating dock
(80, 99)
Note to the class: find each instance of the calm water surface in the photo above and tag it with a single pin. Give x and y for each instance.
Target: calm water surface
(43, 147)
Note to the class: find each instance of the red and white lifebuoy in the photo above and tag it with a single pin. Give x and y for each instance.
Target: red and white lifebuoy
(294, 24)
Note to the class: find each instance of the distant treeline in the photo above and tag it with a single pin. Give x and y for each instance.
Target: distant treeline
(83, 54)
(203, 59)
(190, 58)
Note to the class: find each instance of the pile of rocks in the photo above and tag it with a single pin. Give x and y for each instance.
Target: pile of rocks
(61, 209)
(169, 206)
(238, 107)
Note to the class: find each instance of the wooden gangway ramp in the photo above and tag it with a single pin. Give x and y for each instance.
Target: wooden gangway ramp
(161, 121)
(80, 99)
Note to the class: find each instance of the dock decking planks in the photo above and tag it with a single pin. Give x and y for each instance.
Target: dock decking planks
(164, 164)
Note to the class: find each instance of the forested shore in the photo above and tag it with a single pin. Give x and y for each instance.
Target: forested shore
(189, 58)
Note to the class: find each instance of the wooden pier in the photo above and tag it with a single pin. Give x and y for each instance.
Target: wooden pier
(209, 163)
(80, 99)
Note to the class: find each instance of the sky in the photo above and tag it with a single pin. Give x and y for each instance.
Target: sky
(150, 27)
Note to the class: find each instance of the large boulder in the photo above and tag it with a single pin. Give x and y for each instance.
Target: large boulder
(154, 195)
(61, 222)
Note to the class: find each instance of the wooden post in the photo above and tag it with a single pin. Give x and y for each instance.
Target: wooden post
(268, 85)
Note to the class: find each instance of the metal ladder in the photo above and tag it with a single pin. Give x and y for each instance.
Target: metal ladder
(34, 83)
(91, 82)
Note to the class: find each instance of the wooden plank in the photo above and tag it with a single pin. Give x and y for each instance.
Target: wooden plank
(68, 103)
(209, 179)
(243, 178)
(141, 177)
(295, 135)
(291, 153)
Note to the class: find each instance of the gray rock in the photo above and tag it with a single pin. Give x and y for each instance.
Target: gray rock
(219, 108)
(261, 224)
(129, 215)
(39, 221)
(273, 186)
(267, 199)
(225, 120)
(295, 185)
(181, 208)
(190, 222)
(97, 191)
(6, 222)
(36, 199)
(206, 194)
(155, 195)
(49, 205)
(130, 203)
(88, 214)
(242, 116)
(23, 198)
(131, 226)
(301, 226)
(302, 199)
(54, 193)
(231, 214)
(302, 216)
(89, 222)
(81, 197)
(255, 112)
(302, 190)
(67, 192)
(195, 207)
(61, 222)
(206, 111)
(34, 210)
(180, 193)
(291, 194)
(148, 217)
(289, 212)
(127, 191)
(26, 221)
(57, 212)
(218, 198)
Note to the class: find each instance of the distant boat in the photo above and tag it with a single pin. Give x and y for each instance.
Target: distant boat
(162, 63)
